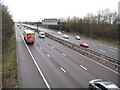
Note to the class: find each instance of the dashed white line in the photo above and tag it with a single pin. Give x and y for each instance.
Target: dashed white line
(109, 46)
(39, 69)
(40, 48)
(63, 54)
(63, 70)
(102, 50)
(94, 45)
(52, 47)
(95, 62)
(83, 67)
(48, 55)
(112, 50)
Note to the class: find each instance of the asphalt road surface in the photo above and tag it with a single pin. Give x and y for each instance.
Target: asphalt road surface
(48, 64)
(95, 46)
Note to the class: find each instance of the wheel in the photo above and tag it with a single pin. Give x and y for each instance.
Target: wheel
(32, 43)
(90, 87)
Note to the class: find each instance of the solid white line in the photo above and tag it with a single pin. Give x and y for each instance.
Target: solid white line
(63, 70)
(48, 55)
(63, 54)
(48, 86)
(83, 67)
(95, 61)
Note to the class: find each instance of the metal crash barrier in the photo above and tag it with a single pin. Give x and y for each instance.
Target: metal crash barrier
(97, 57)
(100, 58)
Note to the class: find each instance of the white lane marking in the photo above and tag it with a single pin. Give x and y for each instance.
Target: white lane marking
(112, 50)
(104, 45)
(94, 45)
(48, 86)
(52, 47)
(95, 62)
(83, 67)
(48, 55)
(108, 46)
(102, 50)
(63, 70)
(40, 48)
(63, 54)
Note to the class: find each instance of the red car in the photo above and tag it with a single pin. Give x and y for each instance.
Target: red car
(84, 45)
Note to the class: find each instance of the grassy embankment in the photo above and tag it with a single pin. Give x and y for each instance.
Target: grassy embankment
(9, 64)
(0, 64)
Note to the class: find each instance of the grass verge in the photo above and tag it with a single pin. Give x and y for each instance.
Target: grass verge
(9, 64)
(104, 41)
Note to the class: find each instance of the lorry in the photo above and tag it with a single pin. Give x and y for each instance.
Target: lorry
(29, 36)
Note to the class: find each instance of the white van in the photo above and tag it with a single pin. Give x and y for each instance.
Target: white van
(42, 34)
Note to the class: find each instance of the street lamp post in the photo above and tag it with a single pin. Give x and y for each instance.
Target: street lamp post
(37, 25)
(60, 27)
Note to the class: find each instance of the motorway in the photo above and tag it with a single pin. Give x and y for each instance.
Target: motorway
(48, 64)
(94, 45)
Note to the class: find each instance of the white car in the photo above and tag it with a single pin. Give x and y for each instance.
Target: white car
(99, 84)
(59, 33)
(41, 34)
(65, 36)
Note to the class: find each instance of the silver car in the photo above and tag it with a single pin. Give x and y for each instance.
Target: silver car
(65, 36)
(59, 33)
(99, 84)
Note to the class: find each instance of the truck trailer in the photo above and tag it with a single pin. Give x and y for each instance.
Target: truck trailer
(29, 36)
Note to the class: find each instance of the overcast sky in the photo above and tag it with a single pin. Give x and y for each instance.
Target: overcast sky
(37, 10)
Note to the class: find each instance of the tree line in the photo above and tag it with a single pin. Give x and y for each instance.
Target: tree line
(7, 25)
(103, 25)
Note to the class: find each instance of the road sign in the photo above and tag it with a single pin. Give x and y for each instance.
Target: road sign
(50, 21)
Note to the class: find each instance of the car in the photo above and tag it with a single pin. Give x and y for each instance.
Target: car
(41, 34)
(59, 33)
(99, 84)
(84, 45)
(17, 25)
(77, 37)
(65, 36)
